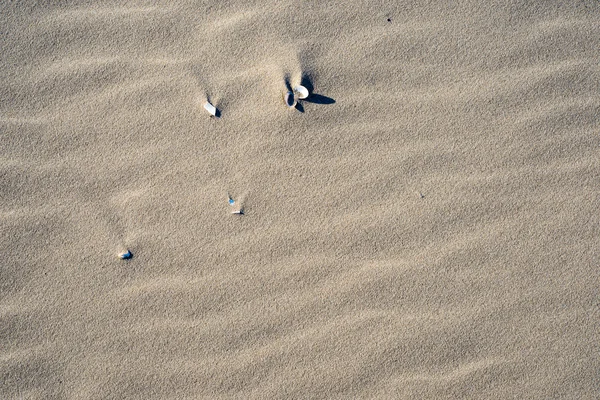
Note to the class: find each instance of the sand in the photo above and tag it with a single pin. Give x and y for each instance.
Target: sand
(424, 226)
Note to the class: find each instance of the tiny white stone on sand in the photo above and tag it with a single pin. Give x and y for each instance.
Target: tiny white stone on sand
(238, 212)
(211, 109)
(301, 91)
(125, 255)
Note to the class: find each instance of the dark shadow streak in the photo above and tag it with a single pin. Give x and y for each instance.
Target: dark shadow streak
(299, 107)
(306, 81)
(319, 99)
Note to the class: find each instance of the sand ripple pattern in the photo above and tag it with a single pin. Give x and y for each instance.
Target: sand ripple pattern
(432, 233)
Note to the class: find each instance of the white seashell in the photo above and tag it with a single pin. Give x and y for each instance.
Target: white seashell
(211, 109)
(301, 91)
(126, 255)
(238, 212)
(290, 99)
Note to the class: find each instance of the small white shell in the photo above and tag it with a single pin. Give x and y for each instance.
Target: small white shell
(125, 255)
(238, 212)
(211, 109)
(301, 91)
(290, 99)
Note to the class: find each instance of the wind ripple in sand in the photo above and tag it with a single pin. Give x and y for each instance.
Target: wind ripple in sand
(431, 234)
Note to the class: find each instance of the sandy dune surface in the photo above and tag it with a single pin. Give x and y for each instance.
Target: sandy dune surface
(424, 225)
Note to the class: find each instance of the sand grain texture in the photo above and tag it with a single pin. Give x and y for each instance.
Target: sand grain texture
(426, 227)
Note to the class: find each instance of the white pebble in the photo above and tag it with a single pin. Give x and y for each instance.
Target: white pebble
(211, 109)
(125, 255)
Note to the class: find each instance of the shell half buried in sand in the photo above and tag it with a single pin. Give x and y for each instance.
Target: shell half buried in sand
(290, 99)
(211, 109)
(301, 92)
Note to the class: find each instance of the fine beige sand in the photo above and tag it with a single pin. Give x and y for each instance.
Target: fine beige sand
(424, 226)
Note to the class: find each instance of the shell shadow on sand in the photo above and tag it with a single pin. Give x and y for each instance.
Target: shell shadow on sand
(315, 98)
